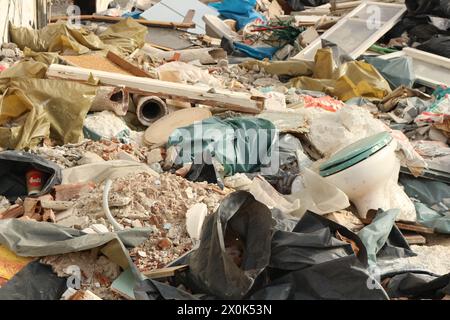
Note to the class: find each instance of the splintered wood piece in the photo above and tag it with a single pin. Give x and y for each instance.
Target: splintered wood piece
(127, 66)
(165, 272)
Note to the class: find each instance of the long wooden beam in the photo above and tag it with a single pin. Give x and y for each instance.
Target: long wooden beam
(148, 23)
(236, 101)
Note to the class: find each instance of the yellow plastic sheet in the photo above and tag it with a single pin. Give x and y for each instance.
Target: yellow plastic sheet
(345, 81)
(47, 58)
(32, 108)
(125, 36)
(10, 263)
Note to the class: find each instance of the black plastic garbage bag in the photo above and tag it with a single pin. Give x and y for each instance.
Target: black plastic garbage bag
(313, 242)
(13, 168)
(439, 8)
(312, 263)
(298, 5)
(339, 279)
(234, 247)
(437, 45)
(204, 169)
(35, 281)
(418, 286)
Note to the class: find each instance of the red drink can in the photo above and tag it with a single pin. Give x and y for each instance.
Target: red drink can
(35, 181)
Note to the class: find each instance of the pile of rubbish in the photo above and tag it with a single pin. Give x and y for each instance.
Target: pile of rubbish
(234, 149)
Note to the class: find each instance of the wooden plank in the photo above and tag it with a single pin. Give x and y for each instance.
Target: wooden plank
(414, 227)
(149, 23)
(128, 66)
(404, 226)
(415, 239)
(189, 18)
(236, 101)
(165, 272)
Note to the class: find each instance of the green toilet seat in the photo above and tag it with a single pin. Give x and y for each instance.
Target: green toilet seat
(355, 153)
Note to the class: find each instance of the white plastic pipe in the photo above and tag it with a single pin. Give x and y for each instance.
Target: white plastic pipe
(108, 214)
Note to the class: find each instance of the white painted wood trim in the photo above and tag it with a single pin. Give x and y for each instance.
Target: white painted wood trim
(237, 101)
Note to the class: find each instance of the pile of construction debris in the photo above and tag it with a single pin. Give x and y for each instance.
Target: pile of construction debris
(207, 155)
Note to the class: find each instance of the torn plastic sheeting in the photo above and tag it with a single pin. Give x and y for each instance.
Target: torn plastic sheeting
(266, 194)
(149, 289)
(56, 37)
(439, 222)
(204, 169)
(13, 168)
(35, 281)
(347, 80)
(312, 242)
(334, 272)
(232, 142)
(418, 286)
(47, 58)
(243, 11)
(375, 235)
(397, 71)
(54, 108)
(125, 36)
(434, 197)
(223, 266)
(24, 69)
(437, 45)
(40, 239)
(339, 279)
(316, 194)
(259, 53)
(98, 172)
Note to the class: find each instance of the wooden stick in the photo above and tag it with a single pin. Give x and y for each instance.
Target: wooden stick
(148, 23)
(128, 66)
(188, 18)
(165, 272)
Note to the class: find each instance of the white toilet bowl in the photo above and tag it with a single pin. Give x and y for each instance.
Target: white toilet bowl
(366, 171)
